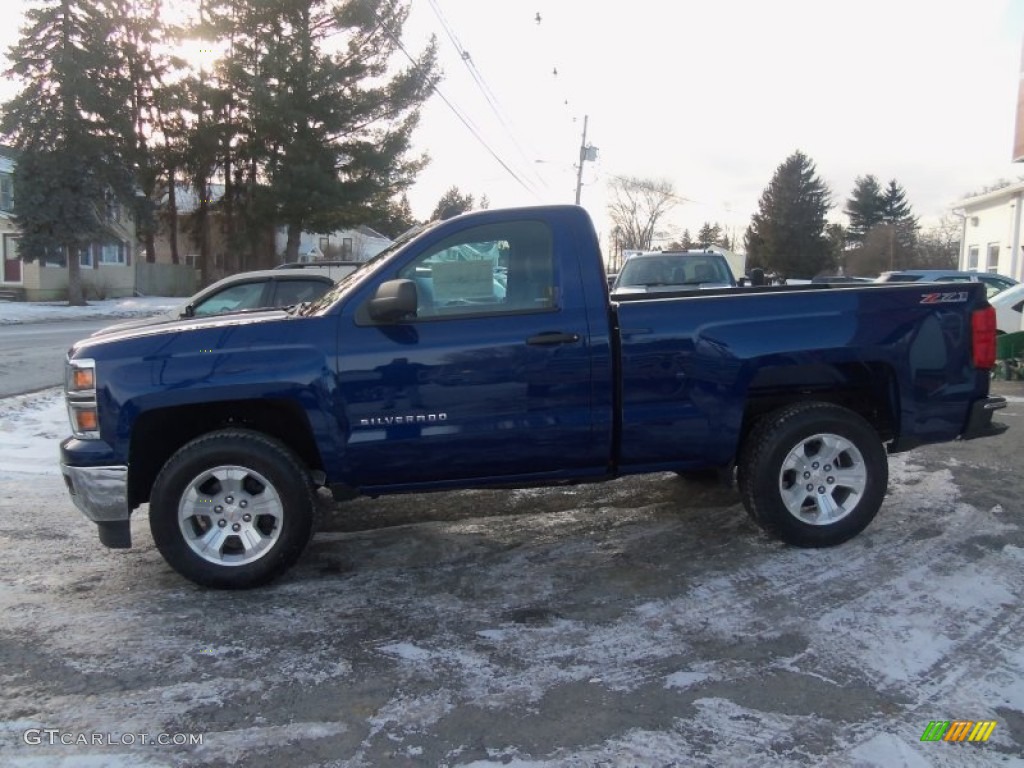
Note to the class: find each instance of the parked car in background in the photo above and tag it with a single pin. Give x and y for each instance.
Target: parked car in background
(840, 279)
(1009, 306)
(333, 269)
(994, 283)
(258, 289)
(658, 271)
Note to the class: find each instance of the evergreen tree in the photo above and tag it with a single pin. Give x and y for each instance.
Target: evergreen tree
(340, 125)
(140, 35)
(887, 229)
(865, 207)
(787, 234)
(836, 235)
(896, 213)
(395, 217)
(452, 203)
(306, 119)
(71, 126)
(709, 235)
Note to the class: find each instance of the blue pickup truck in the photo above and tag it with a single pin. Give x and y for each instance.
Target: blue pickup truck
(484, 350)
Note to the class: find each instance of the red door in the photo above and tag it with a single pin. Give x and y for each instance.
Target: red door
(12, 264)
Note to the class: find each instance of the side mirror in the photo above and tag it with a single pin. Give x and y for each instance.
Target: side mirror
(393, 301)
(189, 311)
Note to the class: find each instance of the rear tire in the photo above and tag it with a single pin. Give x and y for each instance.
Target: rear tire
(233, 509)
(813, 474)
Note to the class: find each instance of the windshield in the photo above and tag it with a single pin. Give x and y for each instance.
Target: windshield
(345, 284)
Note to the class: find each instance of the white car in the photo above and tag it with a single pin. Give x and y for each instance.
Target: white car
(994, 283)
(258, 289)
(1009, 306)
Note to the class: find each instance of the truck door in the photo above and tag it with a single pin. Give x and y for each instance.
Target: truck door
(492, 378)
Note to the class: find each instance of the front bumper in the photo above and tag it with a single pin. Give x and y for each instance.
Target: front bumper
(101, 494)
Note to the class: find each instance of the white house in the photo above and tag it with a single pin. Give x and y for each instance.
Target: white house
(991, 240)
(358, 244)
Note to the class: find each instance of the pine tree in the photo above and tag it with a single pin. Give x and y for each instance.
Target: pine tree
(897, 213)
(70, 123)
(452, 203)
(865, 207)
(709, 235)
(787, 234)
(395, 217)
(340, 125)
(140, 35)
(886, 229)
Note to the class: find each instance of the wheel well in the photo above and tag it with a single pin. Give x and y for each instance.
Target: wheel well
(866, 389)
(158, 434)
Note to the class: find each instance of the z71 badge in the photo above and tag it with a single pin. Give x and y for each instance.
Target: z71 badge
(954, 297)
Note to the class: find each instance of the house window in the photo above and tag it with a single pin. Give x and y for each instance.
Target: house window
(325, 243)
(972, 257)
(6, 192)
(993, 257)
(85, 256)
(112, 253)
(54, 257)
(346, 248)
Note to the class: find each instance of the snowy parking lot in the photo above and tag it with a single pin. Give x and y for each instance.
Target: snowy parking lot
(639, 622)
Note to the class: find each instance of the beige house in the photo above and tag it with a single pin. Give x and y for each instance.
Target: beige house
(991, 240)
(107, 267)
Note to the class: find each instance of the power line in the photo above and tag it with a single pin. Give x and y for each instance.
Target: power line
(462, 118)
(481, 82)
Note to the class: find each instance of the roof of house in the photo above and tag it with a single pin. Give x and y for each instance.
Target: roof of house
(370, 232)
(1003, 194)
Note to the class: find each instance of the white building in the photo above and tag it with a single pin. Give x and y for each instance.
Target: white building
(991, 240)
(358, 244)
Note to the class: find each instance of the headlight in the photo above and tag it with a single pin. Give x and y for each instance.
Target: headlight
(80, 395)
(81, 376)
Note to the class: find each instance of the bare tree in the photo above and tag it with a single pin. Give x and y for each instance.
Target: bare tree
(939, 246)
(636, 207)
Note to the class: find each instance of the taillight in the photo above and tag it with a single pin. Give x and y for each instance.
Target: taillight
(983, 337)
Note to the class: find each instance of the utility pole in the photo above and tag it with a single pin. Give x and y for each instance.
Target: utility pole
(587, 152)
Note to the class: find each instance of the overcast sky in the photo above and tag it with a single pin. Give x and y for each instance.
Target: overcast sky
(714, 95)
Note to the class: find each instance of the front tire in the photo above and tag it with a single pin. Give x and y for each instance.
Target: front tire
(813, 474)
(233, 509)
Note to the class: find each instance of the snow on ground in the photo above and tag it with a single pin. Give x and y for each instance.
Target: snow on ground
(17, 312)
(31, 426)
(635, 626)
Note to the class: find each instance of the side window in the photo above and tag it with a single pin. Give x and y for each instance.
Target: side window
(232, 299)
(486, 270)
(296, 291)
